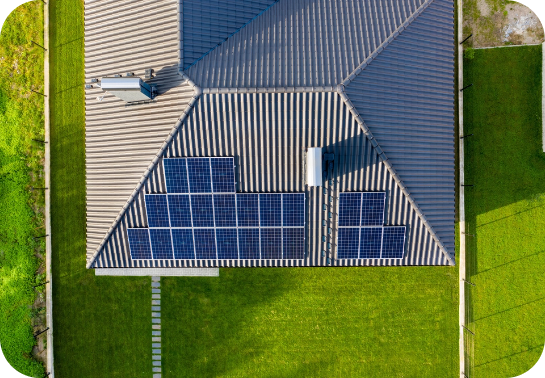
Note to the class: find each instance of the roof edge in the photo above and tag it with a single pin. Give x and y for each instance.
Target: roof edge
(384, 159)
(143, 179)
(384, 44)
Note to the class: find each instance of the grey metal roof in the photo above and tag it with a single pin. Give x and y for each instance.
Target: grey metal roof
(303, 43)
(288, 80)
(203, 28)
(267, 134)
(406, 99)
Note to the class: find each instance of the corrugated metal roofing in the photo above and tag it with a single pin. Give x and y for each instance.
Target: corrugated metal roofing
(268, 134)
(405, 96)
(123, 36)
(303, 43)
(268, 93)
(204, 27)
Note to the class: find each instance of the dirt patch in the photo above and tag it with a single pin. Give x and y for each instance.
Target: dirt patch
(499, 23)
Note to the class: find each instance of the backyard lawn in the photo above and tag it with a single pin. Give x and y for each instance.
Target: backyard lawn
(505, 210)
(312, 322)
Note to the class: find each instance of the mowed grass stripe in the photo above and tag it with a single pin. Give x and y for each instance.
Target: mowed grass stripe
(505, 210)
(312, 322)
(101, 324)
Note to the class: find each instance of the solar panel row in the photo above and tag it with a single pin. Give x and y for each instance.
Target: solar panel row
(361, 234)
(218, 243)
(200, 175)
(225, 210)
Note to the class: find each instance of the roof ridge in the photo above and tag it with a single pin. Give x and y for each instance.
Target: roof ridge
(180, 11)
(384, 159)
(386, 42)
(152, 165)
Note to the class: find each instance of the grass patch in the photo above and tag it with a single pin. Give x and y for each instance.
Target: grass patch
(21, 166)
(505, 209)
(102, 325)
(312, 322)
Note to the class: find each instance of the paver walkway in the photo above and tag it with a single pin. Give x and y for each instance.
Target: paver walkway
(156, 326)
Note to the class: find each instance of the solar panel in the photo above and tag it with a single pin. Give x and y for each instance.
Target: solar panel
(270, 206)
(393, 242)
(225, 210)
(349, 209)
(182, 242)
(348, 243)
(223, 175)
(202, 210)
(176, 175)
(227, 243)
(248, 243)
(157, 210)
(372, 209)
(161, 243)
(248, 210)
(293, 243)
(199, 175)
(180, 210)
(205, 243)
(139, 243)
(370, 242)
(293, 209)
(271, 243)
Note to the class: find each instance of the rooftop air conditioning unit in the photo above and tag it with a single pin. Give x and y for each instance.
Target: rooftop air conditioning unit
(129, 89)
(314, 166)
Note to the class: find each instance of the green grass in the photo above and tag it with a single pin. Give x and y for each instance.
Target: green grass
(21, 166)
(312, 322)
(102, 325)
(505, 209)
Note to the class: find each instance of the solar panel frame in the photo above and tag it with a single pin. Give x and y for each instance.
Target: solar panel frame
(293, 210)
(372, 208)
(175, 171)
(293, 243)
(161, 244)
(183, 234)
(349, 209)
(270, 210)
(227, 243)
(271, 243)
(225, 215)
(348, 243)
(179, 207)
(139, 236)
(248, 241)
(157, 211)
(199, 175)
(247, 210)
(205, 244)
(370, 246)
(393, 243)
(223, 174)
(202, 210)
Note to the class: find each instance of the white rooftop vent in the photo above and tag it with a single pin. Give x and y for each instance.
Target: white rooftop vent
(129, 89)
(314, 166)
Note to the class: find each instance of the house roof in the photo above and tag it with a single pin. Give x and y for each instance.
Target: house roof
(371, 81)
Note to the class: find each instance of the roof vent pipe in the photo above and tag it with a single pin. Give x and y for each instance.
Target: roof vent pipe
(314, 166)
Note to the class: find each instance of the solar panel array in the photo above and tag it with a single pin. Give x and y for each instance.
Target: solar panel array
(361, 232)
(201, 217)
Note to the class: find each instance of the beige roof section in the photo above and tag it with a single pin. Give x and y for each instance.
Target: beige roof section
(120, 37)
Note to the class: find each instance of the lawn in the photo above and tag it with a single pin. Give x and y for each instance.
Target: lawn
(102, 325)
(312, 322)
(505, 210)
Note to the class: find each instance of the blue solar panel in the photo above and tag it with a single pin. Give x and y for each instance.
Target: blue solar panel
(372, 209)
(157, 210)
(270, 206)
(349, 209)
(161, 243)
(199, 175)
(139, 243)
(180, 211)
(223, 175)
(271, 243)
(182, 240)
(202, 210)
(175, 175)
(294, 243)
(227, 243)
(393, 242)
(293, 208)
(248, 210)
(248, 242)
(205, 243)
(348, 243)
(225, 210)
(370, 242)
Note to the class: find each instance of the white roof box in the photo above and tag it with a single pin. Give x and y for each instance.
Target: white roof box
(129, 89)
(314, 166)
